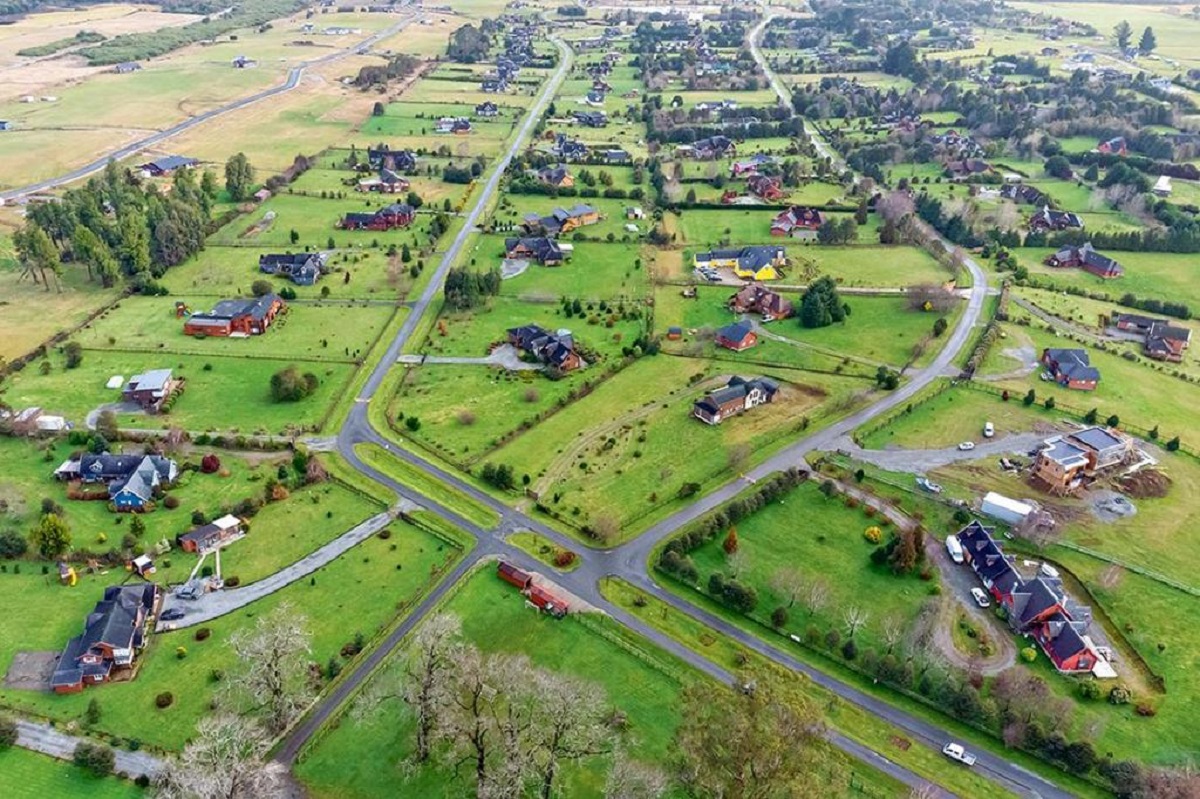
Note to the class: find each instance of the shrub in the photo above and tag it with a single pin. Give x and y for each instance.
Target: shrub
(288, 385)
(203, 634)
(779, 617)
(564, 558)
(1120, 695)
(181, 652)
(12, 544)
(1029, 654)
(96, 758)
(850, 650)
(210, 464)
(164, 700)
(171, 502)
(1145, 709)
(233, 582)
(873, 534)
(1089, 689)
(8, 732)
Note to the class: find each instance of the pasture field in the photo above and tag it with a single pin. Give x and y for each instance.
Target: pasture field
(428, 485)
(1165, 276)
(369, 585)
(232, 395)
(42, 775)
(305, 331)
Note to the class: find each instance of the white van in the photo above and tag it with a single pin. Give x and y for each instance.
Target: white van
(954, 548)
(988, 430)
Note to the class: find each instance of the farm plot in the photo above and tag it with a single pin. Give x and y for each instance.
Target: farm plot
(1165, 276)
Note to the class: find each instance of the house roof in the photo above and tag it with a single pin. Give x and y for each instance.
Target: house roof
(1073, 364)
(736, 332)
(171, 162)
(1035, 597)
(1064, 453)
(106, 466)
(1098, 438)
(256, 308)
(155, 380)
(1066, 643)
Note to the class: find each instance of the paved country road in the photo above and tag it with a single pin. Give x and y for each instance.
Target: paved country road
(291, 82)
(48, 740)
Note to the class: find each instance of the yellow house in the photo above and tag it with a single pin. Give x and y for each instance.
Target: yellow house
(761, 262)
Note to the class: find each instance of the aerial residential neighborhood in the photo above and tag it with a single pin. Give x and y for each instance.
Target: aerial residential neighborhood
(594, 400)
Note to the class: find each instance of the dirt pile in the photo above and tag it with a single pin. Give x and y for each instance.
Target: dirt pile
(1146, 484)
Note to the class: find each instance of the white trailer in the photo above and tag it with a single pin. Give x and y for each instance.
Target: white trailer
(1006, 510)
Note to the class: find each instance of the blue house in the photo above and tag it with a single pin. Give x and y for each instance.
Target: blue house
(132, 479)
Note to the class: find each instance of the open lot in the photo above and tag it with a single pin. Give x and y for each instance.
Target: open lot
(41, 775)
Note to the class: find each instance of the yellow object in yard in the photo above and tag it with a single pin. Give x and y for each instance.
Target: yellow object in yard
(72, 577)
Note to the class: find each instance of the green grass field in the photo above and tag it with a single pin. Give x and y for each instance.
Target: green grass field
(428, 486)
(32, 774)
(362, 591)
(1164, 276)
(541, 548)
(233, 395)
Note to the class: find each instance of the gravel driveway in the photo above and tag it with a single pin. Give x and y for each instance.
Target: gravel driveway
(919, 461)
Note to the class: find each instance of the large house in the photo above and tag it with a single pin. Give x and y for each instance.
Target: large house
(113, 634)
(707, 149)
(161, 167)
(1162, 340)
(387, 218)
(797, 221)
(1086, 258)
(457, 125)
(1065, 462)
(132, 480)
(240, 317)
(387, 182)
(561, 221)
(749, 166)
(591, 119)
(213, 535)
(487, 109)
(1038, 606)
(1023, 193)
(1071, 368)
(755, 298)
(556, 350)
(737, 396)
(737, 337)
(616, 156)
(385, 158)
(765, 187)
(1116, 146)
(150, 389)
(967, 168)
(757, 262)
(1049, 219)
(556, 176)
(302, 268)
(545, 251)
(569, 149)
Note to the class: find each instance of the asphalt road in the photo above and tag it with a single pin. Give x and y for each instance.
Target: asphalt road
(291, 82)
(630, 561)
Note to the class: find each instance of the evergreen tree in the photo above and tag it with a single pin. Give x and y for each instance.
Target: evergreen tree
(1148, 42)
(239, 176)
(821, 305)
(1122, 34)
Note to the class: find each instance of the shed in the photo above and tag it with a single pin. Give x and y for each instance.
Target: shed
(511, 574)
(1006, 510)
(543, 600)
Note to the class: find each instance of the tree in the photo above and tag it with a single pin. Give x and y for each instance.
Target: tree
(1059, 167)
(730, 545)
(91, 251)
(779, 617)
(1122, 34)
(854, 617)
(629, 779)
(939, 326)
(1030, 398)
(73, 351)
(239, 177)
(261, 288)
(96, 758)
(208, 184)
(272, 673)
(568, 724)
(288, 385)
(37, 254)
(106, 425)
(223, 760)
(821, 305)
(1113, 421)
(788, 583)
(1173, 444)
(1148, 42)
(427, 674)
(747, 743)
(137, 527)
(8, 732)
(52, 536)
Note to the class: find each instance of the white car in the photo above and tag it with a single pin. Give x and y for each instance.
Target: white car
(988, 430)
(981, 598)
(967, 446)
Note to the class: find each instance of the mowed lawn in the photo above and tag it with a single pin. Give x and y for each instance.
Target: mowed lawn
(234, 394)
(881, 329)
(594, 271)
(32, 774)
(1165, 276)
(365, 758)
(361, 591)
(305, 331)
(624, 451)
(819, 538)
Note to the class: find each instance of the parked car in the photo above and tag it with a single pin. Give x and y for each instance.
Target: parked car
(954, 547)
(929, 485)
(981, 597)
(967, 446)
(988, 430)
(172, 614)
(956, 752)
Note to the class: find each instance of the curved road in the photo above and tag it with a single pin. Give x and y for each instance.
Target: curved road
(293, 80)
(628, 561)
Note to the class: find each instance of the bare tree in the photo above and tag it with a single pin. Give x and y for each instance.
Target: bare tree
(788, 583)
(895, 206)
(893, 631)
(223, 761)
(816, 595)
(272, 673)
(738, 455)
(925, 790)
(569, 724)
(606, 527)
(736, 562)
(854, 617)
(629, 779)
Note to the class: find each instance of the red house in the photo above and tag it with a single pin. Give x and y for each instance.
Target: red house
(737, 337)
(236, 317)
(511, 574)
(1115, 146)
(113, 634)
(386, 218)
(797, 220)
(765, 187)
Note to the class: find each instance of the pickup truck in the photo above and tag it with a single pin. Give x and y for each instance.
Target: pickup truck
(956, 752)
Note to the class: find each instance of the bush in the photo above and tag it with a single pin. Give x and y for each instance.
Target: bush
(181, 652)
(1089, 689)
(1029, 654)
(1145, 709)
(164, 700)
(171, 502)
(210, 464)
(873, 534)
(12, 544)
(1120, 695)
(96, 758)
(288, 385)
(850, 650)
(779, 617)
(8, 732)
(564, 558)
(203, 634)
